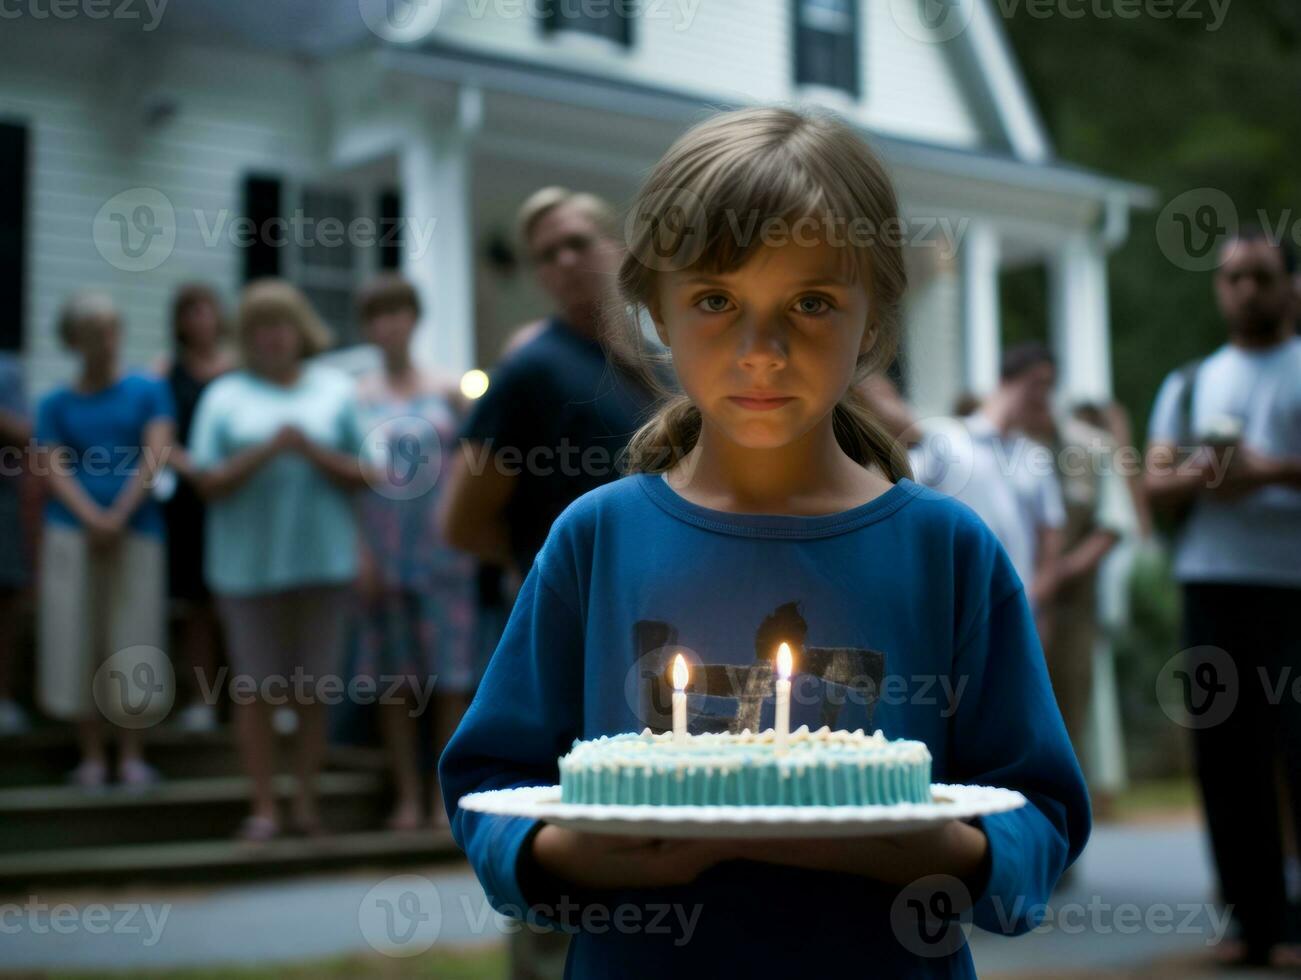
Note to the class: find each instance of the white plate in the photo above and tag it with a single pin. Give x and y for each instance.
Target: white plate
(543, 803)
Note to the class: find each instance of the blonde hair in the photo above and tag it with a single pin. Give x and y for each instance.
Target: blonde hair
(766, 162)
(84, 308)
(272, 300)
(547, 199)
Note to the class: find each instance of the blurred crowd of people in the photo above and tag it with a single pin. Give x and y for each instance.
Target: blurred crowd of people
(261, 507)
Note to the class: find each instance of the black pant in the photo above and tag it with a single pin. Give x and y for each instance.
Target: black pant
(1237, 756)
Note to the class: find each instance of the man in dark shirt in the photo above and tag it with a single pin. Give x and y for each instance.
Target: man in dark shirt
(550, 427)
(557, 412)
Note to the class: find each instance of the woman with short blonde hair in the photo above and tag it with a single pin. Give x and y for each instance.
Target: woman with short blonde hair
(276, 449)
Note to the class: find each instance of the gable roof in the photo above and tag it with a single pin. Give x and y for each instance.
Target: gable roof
(984, 57)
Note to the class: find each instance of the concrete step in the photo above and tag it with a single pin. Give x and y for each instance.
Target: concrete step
(205, 861)
(45, 756)
(57, 817)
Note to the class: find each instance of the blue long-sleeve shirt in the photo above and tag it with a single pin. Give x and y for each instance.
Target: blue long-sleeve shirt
(911, 589)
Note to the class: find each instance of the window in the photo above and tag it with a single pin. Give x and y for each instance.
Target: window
(611, 19)
(826, 44)
(324, 239)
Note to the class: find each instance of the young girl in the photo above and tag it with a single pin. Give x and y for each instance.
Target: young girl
(103, 559)
(766, 505)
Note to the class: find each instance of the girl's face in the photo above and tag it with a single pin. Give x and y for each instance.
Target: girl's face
(766, 351)
(391, 332)
(274, 346)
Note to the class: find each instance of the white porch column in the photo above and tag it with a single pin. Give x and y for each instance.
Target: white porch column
(981, 322)
(1080, 332)
(438, 242)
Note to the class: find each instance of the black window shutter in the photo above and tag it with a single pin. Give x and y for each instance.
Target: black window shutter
(609, 21)
(13, 233)
(390, 231)
(262, 203)
(825, 55)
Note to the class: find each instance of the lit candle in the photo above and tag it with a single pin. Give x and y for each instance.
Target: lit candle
(680, 677)
(783, 719)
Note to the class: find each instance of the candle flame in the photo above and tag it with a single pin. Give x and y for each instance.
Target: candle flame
(680, 674)
(784, 662)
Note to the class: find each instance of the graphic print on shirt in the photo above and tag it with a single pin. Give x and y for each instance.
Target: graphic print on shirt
(724, 697)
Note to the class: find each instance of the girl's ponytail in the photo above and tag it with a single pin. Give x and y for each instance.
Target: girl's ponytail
(865, 440)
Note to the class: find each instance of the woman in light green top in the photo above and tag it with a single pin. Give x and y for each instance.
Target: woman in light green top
(276, 446)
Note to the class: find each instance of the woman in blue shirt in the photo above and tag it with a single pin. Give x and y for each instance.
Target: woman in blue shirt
(275, 447)
(767, 505)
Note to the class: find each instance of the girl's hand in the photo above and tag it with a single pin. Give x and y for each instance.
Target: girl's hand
(612, 861)
(953, 848)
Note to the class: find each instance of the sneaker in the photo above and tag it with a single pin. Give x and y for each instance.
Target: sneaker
(138, 774)
(13, 719)
(284, 721)
(91, 774)
(198, 717)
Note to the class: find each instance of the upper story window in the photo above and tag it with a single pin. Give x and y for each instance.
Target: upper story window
(826, 44)
(608, 19)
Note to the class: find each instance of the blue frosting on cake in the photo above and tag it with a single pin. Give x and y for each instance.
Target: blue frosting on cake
(818, 768)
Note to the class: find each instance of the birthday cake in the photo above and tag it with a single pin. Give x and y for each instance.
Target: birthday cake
(809, 768)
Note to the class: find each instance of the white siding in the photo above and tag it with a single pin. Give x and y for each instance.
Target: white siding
(740, 51)
(86, 146)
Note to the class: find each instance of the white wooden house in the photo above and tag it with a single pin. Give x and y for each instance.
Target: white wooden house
(140, 141)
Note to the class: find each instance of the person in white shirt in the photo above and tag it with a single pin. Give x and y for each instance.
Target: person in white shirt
(989, 463)
(1224, 454)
